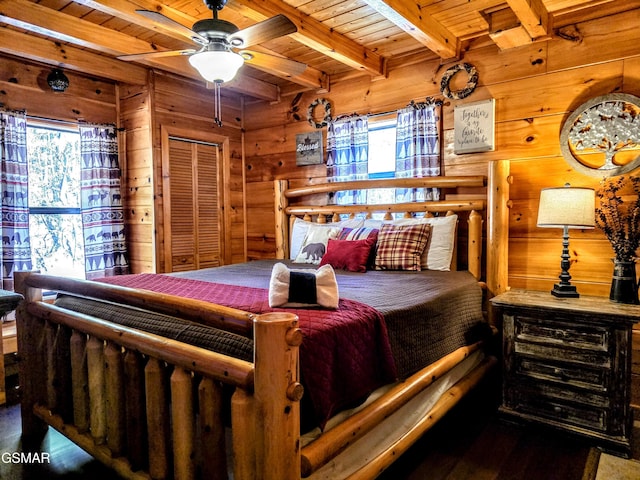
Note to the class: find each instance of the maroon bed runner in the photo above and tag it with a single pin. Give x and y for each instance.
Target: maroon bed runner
(345, 353)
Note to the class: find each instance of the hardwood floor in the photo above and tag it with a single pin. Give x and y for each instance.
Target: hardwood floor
(471, 443)
(474, 444)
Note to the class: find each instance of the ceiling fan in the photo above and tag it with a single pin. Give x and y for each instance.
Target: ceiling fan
(217, 59)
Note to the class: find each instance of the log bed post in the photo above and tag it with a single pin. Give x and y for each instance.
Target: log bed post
(30, 341)
(498, 228)
(498, 232)
(277, 395)
(282, 223)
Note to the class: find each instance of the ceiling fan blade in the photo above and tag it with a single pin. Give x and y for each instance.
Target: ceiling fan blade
(167, 53)
(269, 29)
(173, 26)
(273, 63)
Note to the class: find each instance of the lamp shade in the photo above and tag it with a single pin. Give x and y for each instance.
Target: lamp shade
(572, 207)
(216, 66)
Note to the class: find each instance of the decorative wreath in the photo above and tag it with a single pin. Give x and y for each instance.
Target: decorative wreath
(327, 113)
(467, 90)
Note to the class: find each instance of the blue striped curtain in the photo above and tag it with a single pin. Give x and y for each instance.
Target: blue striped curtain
(16, 248)
(418, 134)
(348, 155)
(102, 213)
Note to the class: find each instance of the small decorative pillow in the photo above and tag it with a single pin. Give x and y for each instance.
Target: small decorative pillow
(315, 244)
(299, 288)
(351, 255)
(301, 227)
(362, 233)
(400, 246)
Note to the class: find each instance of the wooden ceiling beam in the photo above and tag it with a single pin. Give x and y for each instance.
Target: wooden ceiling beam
(126, 10)
(409, 17)
(244, 84)
(310, 78)
(315, 35)
(533, 16)
(519, 23)
(66, 28)
(52, 53)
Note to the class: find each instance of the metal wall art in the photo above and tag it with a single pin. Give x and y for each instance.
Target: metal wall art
(602, 137)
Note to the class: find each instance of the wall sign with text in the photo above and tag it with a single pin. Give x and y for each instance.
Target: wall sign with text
(474, 127)
(309, 148)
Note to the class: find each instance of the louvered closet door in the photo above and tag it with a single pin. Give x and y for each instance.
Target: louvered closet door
(193, 238)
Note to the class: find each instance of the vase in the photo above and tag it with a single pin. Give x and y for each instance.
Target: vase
(624, 286)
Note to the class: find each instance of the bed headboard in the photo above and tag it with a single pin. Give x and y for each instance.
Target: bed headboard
(486, 212)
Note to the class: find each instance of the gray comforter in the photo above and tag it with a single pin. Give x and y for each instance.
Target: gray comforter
(428, 314)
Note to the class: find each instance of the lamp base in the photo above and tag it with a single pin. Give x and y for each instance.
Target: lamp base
(566, 291)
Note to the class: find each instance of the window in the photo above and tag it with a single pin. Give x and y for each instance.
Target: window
(55, 219)
(382, 159)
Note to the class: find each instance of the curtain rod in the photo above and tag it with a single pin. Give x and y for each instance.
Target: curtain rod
(414, 104)
(52, 120)
(70, 122)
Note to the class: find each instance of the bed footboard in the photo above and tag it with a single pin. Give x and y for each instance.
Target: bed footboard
(150, 407)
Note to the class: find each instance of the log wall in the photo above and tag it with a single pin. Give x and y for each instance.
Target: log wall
(535, 87)
(187, 106)
(23, 86)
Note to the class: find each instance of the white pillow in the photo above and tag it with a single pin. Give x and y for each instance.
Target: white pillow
(311, 287)
(300, 228)
(439, 251)
(315, 243)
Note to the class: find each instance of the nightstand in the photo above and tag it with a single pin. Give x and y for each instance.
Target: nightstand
(567, 364)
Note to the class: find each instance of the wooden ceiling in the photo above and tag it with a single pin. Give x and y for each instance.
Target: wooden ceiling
(336, 39)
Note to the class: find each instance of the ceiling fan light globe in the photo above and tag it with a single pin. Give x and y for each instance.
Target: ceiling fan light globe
(217, 66)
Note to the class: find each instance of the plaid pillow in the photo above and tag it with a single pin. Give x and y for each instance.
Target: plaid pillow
(400, 246)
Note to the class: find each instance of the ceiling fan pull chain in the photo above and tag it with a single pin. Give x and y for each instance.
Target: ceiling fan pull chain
(217, 104)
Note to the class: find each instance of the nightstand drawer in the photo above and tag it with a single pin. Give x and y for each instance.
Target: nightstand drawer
(565, 374)
(593, 418)
(577, 357)
(555, 332)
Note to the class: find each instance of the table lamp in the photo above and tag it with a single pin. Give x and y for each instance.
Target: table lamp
(566, 207)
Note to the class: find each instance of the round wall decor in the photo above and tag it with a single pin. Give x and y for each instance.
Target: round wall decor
(601, 137)
(472, 82)
(326, 105)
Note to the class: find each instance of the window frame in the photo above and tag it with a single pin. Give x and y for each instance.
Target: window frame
(383, 124)
(69, 128)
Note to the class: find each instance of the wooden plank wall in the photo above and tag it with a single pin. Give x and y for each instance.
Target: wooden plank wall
(536, 87)
(140, 111)
(23, 86)
(168, 101)
(136, 116)
(188, 105)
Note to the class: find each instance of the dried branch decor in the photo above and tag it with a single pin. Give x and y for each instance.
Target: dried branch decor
(618, 218)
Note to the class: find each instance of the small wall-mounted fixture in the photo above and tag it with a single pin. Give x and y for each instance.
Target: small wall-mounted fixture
(57, 80)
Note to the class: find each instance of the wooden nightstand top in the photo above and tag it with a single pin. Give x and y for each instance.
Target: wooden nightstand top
(583, 304)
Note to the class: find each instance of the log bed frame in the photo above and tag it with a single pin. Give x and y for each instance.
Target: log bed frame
(150, 407)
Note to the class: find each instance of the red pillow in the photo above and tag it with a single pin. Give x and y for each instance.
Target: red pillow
(351, 255)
